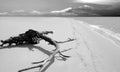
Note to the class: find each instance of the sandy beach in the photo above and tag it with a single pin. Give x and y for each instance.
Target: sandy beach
(92, 51)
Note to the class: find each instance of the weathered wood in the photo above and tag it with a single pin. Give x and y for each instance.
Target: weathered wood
(50, 59)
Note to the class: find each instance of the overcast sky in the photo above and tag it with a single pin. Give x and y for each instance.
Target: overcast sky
(98, 1)
(46, 5)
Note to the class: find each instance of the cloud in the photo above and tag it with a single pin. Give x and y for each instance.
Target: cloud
(61, 11)
(97, 1)
(86, 6)
(4, 13)
(35, 12)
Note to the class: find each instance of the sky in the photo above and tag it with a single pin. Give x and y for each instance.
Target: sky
(107, 2)
(46, 5)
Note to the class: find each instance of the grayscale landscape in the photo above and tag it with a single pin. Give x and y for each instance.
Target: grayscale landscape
(59, 35)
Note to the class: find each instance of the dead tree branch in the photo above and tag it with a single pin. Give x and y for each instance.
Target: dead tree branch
(43, 65)
(33, 37)
(46, 62)
(69, 39)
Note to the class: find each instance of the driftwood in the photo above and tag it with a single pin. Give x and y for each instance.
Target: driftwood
(43, 65)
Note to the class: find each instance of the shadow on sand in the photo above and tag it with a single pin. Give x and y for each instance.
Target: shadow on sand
(30, 47)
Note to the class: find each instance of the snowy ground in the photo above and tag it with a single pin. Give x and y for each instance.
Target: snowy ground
(92, 51)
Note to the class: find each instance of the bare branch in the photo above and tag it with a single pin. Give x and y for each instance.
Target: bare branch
(43, 65)
(47, 61)
(69, 39)
(39, 66)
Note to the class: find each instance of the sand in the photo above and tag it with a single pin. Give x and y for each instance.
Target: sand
(91, 51)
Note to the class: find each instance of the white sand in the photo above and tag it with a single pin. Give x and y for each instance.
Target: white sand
(91, 52)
